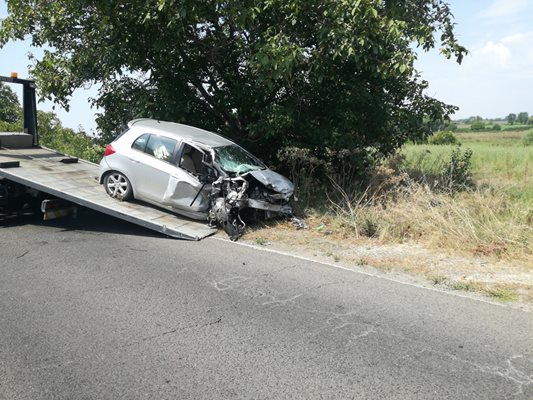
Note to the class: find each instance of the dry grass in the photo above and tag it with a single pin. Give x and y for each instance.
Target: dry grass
(482, 222)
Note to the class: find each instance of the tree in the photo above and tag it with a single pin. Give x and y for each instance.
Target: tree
(477, 126)
(511, 118)
(473, 119)
(65, 140)
(10, 110)
(268, 73)
(522, 118)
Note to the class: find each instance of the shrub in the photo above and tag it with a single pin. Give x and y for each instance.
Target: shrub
(496, 127)
(456, 174)
(477, 126)
(527, 140)
(452, 127)
(444, 137)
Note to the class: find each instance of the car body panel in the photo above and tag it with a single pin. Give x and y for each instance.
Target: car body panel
(274, 181)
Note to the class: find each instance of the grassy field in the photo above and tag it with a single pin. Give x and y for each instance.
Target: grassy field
(498, 212)
(499, 160)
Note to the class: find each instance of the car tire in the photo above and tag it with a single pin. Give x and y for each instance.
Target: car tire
(118, 186)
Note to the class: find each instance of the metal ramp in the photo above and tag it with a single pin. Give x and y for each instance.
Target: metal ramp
(42, 169)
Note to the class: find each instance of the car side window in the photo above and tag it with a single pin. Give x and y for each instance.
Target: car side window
(140, 142)
(161, 147)
(191, 160)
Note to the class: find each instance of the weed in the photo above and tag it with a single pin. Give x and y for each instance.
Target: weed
(465, 285)
(502, 294)
(260, 241)
(369, 226)
(456, 174)
(362, 261)
(335, 257)
(436, 279)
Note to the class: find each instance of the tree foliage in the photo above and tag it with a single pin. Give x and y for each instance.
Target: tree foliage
(54, 135)
(477, 126)
(511, 118)
(10, 110)
(522, 118)
(268, 73)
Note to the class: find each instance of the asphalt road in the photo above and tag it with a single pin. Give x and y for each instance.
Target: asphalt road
(100, 309)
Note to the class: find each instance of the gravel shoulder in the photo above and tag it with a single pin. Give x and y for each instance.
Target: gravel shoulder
(483, 277)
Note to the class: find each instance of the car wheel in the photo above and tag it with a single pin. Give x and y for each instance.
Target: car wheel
(118, 186)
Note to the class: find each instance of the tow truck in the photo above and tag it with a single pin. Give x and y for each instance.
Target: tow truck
(38, 179)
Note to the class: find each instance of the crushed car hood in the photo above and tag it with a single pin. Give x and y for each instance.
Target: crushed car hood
(274, 181)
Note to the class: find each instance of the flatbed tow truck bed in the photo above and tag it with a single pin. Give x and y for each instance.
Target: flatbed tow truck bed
(42, 169)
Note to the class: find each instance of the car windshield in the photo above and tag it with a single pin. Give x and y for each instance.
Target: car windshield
(234, 159)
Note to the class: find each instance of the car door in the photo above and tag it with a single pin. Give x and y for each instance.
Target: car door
(152, 165)
(187, 189)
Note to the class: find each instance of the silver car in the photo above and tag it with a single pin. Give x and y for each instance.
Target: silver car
(192, 172)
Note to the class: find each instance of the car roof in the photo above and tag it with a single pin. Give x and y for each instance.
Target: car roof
(180, 131)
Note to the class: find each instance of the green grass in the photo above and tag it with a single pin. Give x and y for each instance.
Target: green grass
(260, 241)
(465, 286)
(499, 159)
(502, 294)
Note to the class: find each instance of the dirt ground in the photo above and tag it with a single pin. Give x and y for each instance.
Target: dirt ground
(494, 279)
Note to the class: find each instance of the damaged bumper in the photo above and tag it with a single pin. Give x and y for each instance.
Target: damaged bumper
(263, 190)
(265, 206)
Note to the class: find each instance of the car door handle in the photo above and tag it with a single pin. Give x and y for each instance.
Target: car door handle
(134, 160)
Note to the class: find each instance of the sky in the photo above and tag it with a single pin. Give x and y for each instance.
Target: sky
(495, 79)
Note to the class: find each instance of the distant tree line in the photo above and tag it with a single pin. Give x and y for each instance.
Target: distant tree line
(521, 118)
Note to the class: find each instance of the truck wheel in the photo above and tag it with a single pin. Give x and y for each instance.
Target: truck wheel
(118, 186)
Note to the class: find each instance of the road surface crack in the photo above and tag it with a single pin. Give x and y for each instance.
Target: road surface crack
(175, 330)
(23, 254)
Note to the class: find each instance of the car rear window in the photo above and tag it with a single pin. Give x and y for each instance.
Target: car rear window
(160, 147)
(140, 142)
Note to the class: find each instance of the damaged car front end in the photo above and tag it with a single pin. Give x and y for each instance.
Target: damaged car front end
(244, 183)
